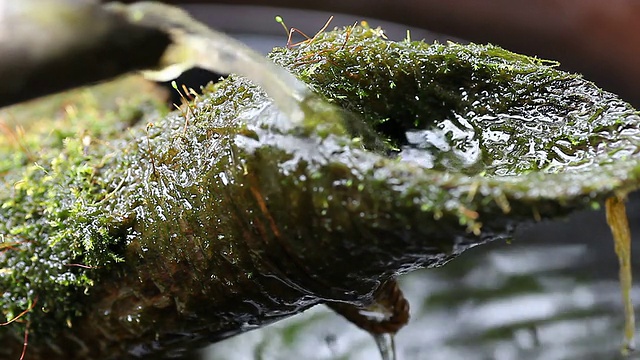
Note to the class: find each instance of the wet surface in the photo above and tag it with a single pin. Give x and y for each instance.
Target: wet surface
(552, 293)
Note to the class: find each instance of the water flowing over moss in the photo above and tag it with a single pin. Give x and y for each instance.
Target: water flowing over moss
(228, 203)
(495, 112)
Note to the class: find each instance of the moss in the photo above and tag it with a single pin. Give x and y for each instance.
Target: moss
(56, 233)
(504, 113)
(207, 203)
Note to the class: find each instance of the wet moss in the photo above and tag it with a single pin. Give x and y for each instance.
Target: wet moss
(500, 113)
(226, 198)
(55, 232)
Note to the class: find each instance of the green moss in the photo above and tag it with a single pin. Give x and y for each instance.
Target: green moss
(498, 112)
(56, 233)
(200, 191)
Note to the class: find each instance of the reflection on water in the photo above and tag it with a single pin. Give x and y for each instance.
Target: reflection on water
(451, 144)
(552, 294)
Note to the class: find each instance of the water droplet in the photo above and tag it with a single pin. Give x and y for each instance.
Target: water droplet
(224, 179)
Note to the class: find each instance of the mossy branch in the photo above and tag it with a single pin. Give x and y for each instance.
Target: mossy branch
(192, 233)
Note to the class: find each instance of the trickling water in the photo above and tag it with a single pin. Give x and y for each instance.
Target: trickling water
(617, 220)
(552, 295)
(196, 45)
(386, 345)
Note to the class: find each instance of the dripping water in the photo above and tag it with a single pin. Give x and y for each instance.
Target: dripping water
(617, 220)
(386, 345)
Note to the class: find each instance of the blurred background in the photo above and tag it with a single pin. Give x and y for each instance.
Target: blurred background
(551, 293)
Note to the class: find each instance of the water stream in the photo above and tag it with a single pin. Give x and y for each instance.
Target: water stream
(387, 346)
(196, 45)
